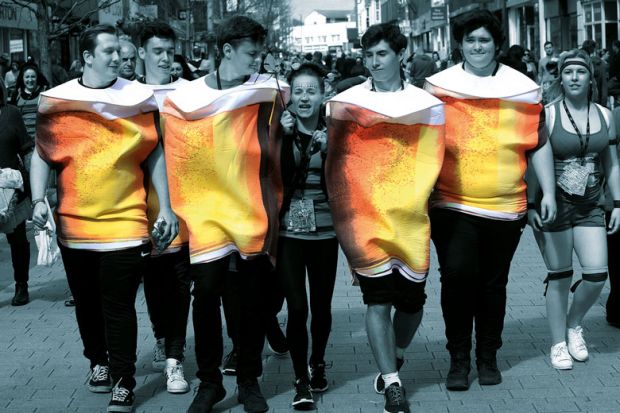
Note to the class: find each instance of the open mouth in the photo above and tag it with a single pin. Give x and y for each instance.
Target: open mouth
(304, 107)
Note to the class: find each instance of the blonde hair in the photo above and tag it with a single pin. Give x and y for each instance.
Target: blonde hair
(556, 90)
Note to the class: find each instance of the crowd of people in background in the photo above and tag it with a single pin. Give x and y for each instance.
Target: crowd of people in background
(477, 215)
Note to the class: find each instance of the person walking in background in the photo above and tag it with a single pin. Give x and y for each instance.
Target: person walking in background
(129, 56)
(422, 66)
(15, 153)
(543, 64)
(30, 83)
(99, 131)
(386, 138)
(494, 126)
(584, 143)
(10, 79)
(599, 76)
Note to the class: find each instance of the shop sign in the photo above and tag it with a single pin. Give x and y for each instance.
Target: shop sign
(17, 17)
(16, 46)
(438, 13)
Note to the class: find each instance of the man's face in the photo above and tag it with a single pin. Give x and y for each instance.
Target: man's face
(549, 49)
(246, 57)
(105, 59)
(382, 61)
(158, 55)
(128, 61)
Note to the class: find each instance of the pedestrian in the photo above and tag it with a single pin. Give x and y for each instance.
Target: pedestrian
(180, 69)
(220, 136)
(385, 139)
(599, 76)
(543, 64)
(306, 233)
(10, 78)
(422, 66)
(30, 83)
(584, 142)
(15, 153)
(166, 280)
(129, 56)
(99, 131)
(528, 59)
(478, 208)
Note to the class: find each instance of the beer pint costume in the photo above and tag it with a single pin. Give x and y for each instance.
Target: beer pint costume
(478, 207)
(384, 156)
(98, 141)
(222, 159)
(222, 155)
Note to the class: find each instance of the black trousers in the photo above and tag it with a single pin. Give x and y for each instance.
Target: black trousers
(104, 286)
(20, 253)
(320, 258)
(209, 284)
(474, 258)
(613, 257)
(167, 292)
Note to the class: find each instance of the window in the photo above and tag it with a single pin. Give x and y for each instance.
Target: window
(308, 40)
(601, 22)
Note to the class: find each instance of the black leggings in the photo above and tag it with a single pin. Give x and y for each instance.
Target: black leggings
(20, 252)
(320, 258)
(613, 257)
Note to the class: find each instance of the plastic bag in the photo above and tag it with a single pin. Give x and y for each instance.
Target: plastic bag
(46, 242)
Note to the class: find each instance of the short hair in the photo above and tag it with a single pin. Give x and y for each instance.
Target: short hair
(127, 44)
(548, 42)
(310, 69)
(88, 38)
(389, 32)
(156, 29)
(589, 46)
(475, 20)
(235, 29)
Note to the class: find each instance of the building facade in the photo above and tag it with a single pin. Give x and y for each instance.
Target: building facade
(323, 31)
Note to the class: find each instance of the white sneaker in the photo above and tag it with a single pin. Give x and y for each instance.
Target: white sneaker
(576, 344)
(159, 354)
(175, 379)
(560, 359)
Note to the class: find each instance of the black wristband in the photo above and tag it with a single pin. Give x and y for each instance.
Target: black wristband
(36, 201)
(616, 203)
(531, 205)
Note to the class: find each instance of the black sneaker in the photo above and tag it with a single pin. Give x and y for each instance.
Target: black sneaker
(230, 363)
(100, 381)
(21, 296)
(395, 399)
(318, 380)
(379, 384)
(122, 399)
(207, 396)
(303, 395)
(458, 376)
(251, 397)
(488, 373)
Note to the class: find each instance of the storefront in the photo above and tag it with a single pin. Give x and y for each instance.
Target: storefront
(17, 26)
(600, 21)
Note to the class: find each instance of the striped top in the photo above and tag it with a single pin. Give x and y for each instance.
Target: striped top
(492, 123)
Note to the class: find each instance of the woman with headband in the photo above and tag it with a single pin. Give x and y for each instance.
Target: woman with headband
(583, 138)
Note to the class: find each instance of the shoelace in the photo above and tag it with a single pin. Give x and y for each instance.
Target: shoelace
(119, 394)
(101, 373)
(159, 353)
(394, 394)
(303, 389)
(561, 352)
(580, 343)
(176, 373)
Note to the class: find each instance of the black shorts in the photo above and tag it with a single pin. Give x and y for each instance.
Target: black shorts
(571, 215)
(405, 295)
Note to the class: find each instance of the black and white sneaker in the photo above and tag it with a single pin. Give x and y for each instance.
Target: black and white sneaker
(122, 399)
(303, 396)
(379, 384)
(230, 363)
(318, 380)
(100, 381)
(395, 399)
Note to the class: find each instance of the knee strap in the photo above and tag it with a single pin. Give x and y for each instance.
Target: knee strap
(591, 277)
(556, 275)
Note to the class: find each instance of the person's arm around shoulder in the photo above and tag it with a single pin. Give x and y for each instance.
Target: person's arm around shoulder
(156, 165)
(612, 172)
(543, 177)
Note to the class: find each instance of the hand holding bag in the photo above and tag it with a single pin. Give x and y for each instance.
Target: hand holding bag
(46, 242)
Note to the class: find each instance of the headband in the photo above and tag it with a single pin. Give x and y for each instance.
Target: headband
(575, 62)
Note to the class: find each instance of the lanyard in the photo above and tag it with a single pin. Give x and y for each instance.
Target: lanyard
(582, 145)
(304, 162)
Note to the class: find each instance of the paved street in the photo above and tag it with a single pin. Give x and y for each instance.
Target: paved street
(42, 368)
